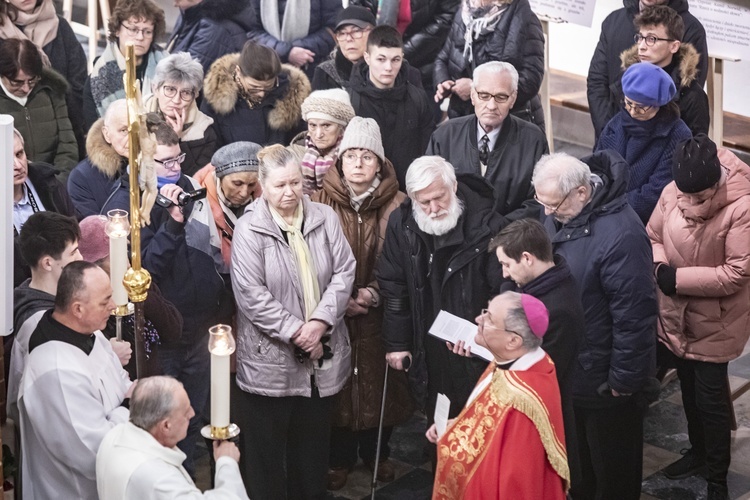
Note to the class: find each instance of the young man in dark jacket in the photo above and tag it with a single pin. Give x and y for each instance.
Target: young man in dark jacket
(209, 29)
(616, 36)
(494, 144)
(380, 89)
(591, 225)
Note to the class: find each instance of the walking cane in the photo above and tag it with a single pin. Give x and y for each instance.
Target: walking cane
(406, 362)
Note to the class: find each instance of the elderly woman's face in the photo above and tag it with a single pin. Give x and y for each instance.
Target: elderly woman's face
(136, 31)
(26, 6)
(22, 84)
(174, 97)
(323, 133)
(638, 111)
(240, 187)
(20, 163)
(282, 188)
(360, 167)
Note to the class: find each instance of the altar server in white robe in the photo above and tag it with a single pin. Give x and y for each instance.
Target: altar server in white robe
(72, 391)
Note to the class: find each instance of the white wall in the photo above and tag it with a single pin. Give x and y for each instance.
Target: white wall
(571, 48)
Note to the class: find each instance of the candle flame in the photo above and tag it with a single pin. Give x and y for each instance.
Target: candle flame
(221, 341)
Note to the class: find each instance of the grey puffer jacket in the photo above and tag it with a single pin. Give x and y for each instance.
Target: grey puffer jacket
(270, 307)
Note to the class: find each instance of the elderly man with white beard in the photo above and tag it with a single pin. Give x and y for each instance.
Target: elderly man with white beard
(435, 258)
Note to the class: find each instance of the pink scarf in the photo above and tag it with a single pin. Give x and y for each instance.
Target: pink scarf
(315, 166)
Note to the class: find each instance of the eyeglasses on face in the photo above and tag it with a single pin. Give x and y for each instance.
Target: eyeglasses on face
(17, 84)
(489, 324)
(172, 163)
(185, 95)
(556, 207)
(499, 98)
(365, 158)
(356, 34)
(650, 39)
(634, 107)
(133, 31)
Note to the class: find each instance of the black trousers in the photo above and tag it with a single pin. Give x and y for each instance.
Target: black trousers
(284, 445)
(345, 443)
(705, 397)
(610, 449)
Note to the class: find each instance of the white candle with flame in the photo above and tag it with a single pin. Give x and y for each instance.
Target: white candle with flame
(117, 229)
(221, 346)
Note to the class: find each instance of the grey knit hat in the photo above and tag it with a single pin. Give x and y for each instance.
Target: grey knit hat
(363, 133)
(332, 105)
(236, 157)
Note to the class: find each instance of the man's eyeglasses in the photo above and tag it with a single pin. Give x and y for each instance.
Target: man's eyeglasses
(17, 84)
(499, 98)
(356, 34)
(185, 95)
(556, 207)
(366, 158)
(146, 32)
(489, 324)
(637, 108)
(172, 163)
(650, 39)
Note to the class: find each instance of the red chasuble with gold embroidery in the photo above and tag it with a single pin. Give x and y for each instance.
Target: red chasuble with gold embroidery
(508, 443)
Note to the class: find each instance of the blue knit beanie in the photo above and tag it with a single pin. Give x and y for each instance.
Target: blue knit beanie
(648, 84)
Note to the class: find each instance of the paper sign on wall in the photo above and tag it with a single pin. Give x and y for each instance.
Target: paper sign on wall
(579, 12)
(727, 26)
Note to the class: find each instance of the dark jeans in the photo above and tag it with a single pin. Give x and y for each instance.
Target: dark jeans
(705, 397)
(345, 443)
(610, 448)
(284, 445)
(191, 365)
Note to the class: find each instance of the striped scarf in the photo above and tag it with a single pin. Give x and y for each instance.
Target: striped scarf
(315, 166)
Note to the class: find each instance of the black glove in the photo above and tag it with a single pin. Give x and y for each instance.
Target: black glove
(666, 278)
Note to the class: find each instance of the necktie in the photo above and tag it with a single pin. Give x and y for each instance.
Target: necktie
(484, 152)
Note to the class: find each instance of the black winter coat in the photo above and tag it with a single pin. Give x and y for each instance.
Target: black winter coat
(212, 29)
(518, 39)
(54, 197)
(319, 39)
(403, 113)
(616, 36)
(610, 258)
(424, 37)
(420, 274)
(510, 165)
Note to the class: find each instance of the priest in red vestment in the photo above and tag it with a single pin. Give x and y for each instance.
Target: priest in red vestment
(508, 442)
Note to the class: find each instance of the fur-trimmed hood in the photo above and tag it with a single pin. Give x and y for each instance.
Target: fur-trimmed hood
(101, 154)
(687, 69)
(222, 94)
(54, 81)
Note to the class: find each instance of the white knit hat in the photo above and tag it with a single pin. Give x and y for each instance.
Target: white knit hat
(332, 105)
(363, 133)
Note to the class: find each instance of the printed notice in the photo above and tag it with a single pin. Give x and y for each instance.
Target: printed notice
(452, 328)
(442, 409)
(579, 12)
(727, 26)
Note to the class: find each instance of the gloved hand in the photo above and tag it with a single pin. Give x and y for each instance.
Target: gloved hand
(666, 278)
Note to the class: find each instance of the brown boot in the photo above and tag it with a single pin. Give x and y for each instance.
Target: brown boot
(386, 472)
(337, 478)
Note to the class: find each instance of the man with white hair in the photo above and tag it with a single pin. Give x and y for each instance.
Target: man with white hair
(435, 258)
(140, 459)
(591, 225)
(492, 143)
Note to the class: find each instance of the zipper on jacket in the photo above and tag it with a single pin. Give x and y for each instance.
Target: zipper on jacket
(31, 133)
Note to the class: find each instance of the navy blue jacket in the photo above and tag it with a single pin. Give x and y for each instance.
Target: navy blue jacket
(609, 255)
(319, 37)
(211, 29)
(93, 192)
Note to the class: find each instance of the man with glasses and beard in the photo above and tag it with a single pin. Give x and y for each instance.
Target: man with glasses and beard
(435, 258)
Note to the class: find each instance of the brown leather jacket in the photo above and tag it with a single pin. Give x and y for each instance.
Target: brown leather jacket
(358, 405)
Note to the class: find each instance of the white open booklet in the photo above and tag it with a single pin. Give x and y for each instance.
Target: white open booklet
(452, 329)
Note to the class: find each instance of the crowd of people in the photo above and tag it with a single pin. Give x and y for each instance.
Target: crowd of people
(341, 214)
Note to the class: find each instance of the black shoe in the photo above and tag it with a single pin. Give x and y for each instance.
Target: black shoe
(717, 491)
(689, 465)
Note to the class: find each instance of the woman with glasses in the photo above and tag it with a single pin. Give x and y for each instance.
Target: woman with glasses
(38, 21)
(177, 83)
(492, 30)
(35, 97)
(253, 97)
(133, 22)
(645, 132)
(363, 191)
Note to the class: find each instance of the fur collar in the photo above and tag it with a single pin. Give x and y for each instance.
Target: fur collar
(221, 93)
(101, 155)
(687, 57)
(54, 80)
